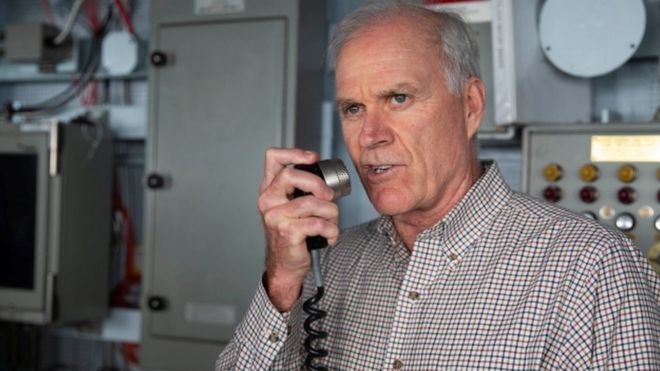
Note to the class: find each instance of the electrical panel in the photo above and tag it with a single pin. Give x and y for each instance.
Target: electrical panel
(610, 173)
(227, 80)
(527, 87)
(55, 208)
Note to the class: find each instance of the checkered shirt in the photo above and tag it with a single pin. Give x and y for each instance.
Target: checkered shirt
(504, 281)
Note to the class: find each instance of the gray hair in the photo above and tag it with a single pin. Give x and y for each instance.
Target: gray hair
(459, 53)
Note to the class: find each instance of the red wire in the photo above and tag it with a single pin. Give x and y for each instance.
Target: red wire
(91, 11)
(130, 352)
(45, 6)
(89, 97)
(131, 275)
(125, 17)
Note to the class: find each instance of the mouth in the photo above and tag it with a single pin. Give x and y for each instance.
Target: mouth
(379, 169)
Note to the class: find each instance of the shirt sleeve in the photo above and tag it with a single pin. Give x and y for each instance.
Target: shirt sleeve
(626, 313)
(263, 340)
(610, 313)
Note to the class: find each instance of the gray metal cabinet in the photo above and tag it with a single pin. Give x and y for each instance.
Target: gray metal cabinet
(226, 83)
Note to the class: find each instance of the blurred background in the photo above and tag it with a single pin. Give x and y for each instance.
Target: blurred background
(133, 132)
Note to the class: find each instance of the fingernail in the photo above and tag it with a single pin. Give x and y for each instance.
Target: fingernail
(309, 153)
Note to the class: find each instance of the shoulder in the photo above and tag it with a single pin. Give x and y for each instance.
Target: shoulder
(548, 220)
(572, 240)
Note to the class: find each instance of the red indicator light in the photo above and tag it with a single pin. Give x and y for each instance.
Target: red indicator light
(627, 195)
(552, 193)
(589, 194)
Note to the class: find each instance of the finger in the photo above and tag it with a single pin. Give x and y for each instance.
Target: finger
(279, 158)
(304, 207)
(284, 184)
(295, 231)
(310, 206)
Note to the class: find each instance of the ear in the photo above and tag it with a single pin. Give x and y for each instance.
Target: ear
(474, 104)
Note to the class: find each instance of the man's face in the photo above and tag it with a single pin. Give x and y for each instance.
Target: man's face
(407, 135)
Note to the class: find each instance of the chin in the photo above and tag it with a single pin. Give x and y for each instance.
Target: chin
(389, 202)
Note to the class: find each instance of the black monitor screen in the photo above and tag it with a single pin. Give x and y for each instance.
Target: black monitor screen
(18, 202)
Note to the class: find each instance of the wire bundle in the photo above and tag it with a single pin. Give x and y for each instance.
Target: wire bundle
(87, 75)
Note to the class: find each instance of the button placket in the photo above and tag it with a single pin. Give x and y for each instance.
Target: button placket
(425, 263)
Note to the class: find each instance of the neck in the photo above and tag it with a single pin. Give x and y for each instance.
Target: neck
(410, 225)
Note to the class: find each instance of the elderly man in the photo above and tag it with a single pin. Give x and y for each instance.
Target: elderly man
(459, 272)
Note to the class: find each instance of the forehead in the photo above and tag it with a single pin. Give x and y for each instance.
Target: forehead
(388, 32)
(386, 51)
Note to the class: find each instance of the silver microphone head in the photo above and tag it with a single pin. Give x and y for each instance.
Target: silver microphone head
(336, 176)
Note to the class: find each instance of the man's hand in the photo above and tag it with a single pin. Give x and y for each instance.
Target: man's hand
(288, 221)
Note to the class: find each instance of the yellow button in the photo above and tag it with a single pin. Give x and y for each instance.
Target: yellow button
(397, 365)
(552, 172)
(413, 295)
(452, 256)
(273, 338)
(646, 212)
(627, 173)
(606, 212)
(589, 172)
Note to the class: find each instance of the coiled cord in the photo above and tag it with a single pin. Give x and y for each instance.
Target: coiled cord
(315, 314)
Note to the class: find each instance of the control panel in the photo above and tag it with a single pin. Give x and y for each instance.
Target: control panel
(607, 172)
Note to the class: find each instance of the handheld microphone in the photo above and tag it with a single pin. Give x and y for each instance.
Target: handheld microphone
(335, 175)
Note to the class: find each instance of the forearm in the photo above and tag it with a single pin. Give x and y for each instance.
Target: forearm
(263, 340)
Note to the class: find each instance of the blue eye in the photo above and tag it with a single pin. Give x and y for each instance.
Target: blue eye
(352, 110)
(399, 98)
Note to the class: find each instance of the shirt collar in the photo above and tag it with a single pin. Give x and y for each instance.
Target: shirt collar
(469, 218)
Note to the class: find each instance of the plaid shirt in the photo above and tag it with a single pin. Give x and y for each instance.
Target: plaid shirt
(504, 281)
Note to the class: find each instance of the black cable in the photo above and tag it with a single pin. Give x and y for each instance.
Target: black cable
(314, 351)
(315, 314)
(335, 175)
(88, 69)
(87, 75)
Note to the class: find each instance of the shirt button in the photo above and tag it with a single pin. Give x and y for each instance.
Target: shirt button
(273, 338)
(413, 295)
(453, 256)
(397, 364)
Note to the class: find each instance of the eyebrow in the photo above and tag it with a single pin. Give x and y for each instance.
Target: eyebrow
(400, 88)
(341, 104)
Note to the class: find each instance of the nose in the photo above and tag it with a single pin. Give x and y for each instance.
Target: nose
(375, 131)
